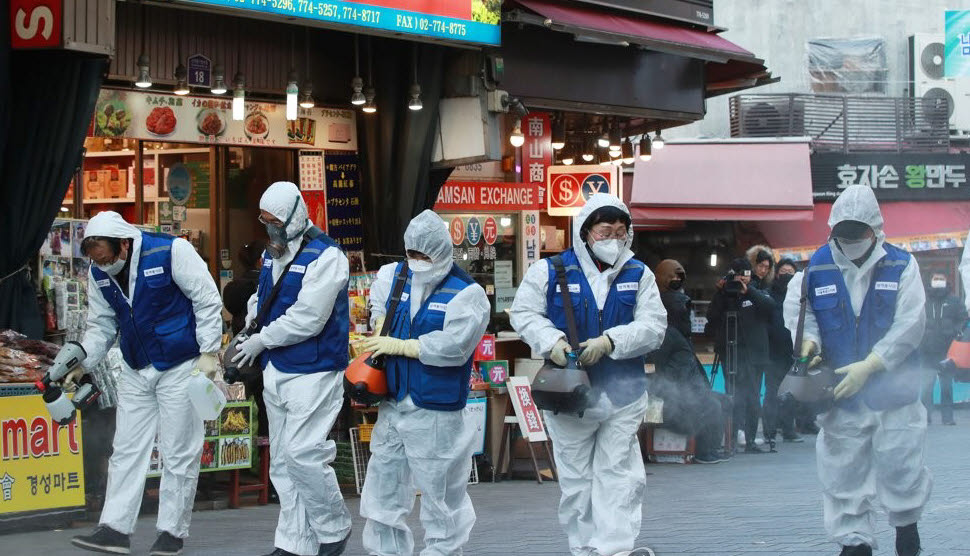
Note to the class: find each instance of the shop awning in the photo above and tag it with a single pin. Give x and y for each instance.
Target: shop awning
(733, 180)
(914, 226)
(732, 68)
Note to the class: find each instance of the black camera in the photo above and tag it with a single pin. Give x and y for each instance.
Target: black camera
(732, 286)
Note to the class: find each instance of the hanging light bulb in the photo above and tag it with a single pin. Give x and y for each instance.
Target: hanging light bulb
(658, 141)
(604, 140)
(517, 138)
(568, 155)
(218, 80)
(415, 102)
(369, 106)
(306, 95)
(239, 97)
(144, 80)
(646, 150)
(357, 84)
(588, 151)
(616, 140)
(558, 133)
(614, 154)
(292, 91)
(714, 259)
(181, 77)
(628, 157)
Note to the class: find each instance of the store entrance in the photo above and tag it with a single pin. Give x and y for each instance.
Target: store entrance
(248, 172)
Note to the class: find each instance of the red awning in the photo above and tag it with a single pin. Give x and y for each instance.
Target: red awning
(902, 220)
(731, 180)
(732, 67)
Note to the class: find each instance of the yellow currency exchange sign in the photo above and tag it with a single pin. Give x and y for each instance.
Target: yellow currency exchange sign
(41, 462)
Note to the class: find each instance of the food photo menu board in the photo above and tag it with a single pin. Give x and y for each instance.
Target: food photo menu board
(193, 119)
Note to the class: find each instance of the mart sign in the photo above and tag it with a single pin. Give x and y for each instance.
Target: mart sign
(571, 186)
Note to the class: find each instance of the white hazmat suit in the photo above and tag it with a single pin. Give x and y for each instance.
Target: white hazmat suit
(152, 401)
(598, 456)
(865, 455)
(414, 447)
(302, 408)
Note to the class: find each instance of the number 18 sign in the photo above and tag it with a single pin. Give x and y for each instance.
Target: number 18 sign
(200, 71)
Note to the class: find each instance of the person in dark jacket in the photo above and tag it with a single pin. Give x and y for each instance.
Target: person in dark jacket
(754, 309)
(945, 318)
(775, 282)
(670, 281)
(689, 405)
(238, 291)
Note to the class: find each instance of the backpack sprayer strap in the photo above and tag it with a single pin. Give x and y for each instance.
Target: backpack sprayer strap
(572, 332)
(257, 322)
(803, 301)
(399, 281)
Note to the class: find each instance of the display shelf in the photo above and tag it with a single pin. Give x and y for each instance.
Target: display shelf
(150, 152)
(109, 154)
(124, 200)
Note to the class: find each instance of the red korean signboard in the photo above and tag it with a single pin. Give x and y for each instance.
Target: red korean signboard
(470, 196)
(537, 151)
(530, 421)
(571, 186)
(35, 23)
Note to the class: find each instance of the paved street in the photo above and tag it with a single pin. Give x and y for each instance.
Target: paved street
(753, 504)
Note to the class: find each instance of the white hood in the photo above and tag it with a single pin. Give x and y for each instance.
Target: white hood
(596, 201)
(110, 224)
(858, 203)
(278, 200)
(428, 233)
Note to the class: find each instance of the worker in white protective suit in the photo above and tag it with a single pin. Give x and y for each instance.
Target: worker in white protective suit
(865, 319)
(965, 271)
(620, 318)
(302, 346)
(424, 437)
(158, 294)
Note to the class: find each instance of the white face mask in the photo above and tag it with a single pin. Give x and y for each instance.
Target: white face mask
(607, 250)
(113, 268)
(855, 249)
(938, 284)
(419, 266)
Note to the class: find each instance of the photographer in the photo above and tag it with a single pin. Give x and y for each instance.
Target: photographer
(754, 309)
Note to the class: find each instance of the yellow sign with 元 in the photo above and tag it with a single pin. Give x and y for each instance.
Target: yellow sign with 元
(41, 462)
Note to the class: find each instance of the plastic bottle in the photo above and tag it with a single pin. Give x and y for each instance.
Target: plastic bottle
(207, 399)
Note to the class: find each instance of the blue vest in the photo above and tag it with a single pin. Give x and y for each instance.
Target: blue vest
(439, 388)
(623, 380)
(847, 340)
(158, 328)
(328, 350)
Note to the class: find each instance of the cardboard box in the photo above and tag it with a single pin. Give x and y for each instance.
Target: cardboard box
(116, 183)
(92, 185)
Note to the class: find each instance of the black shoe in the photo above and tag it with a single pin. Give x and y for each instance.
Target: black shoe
(856, 550)
(104, 539)
(708, 458)
(281, 552)
(166, 545)
(334, 548)
(753, 449)
(794, 438)
(907, 541)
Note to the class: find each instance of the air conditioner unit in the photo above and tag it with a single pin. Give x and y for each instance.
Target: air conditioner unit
(927, 81)
(773, 119)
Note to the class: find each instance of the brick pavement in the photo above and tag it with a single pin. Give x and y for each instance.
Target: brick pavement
(753, 504)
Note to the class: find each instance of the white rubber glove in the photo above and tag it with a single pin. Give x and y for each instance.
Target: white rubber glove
(69, 382)
(856, 375)
(595, 349)
(810, 351)
(208, 364)
(386, 345)
(249, 350)
(559, 351)
(379, 325)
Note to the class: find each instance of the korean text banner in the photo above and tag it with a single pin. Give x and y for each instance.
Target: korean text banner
(468, 21)
(956, 62)
(191, 119)
(893, 177)
(42, 465)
